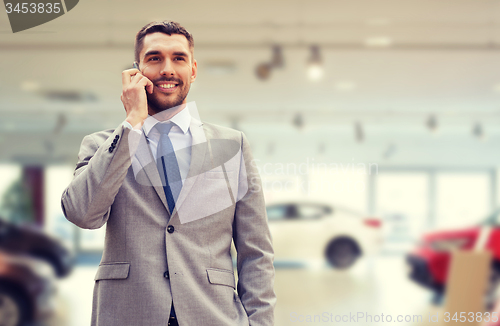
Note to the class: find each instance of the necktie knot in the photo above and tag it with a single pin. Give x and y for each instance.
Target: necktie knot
(164, 128)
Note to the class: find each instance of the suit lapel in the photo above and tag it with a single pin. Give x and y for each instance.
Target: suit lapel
(198, 152)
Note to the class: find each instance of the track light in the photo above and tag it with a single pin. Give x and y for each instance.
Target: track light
(277, 61)
(389, 151)
(315, 64)
(298, 121)
(359, 132)
(263, 71)
(432, 123)
(478, 131)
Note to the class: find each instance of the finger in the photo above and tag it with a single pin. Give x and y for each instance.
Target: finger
(135, 79)
(148, 84)
(126, 76)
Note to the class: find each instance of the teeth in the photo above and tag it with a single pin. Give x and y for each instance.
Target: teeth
(167, 85)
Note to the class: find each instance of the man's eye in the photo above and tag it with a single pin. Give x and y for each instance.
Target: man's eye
(153, 59)
(179, 58)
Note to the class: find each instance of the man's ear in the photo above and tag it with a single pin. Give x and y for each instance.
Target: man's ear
(194, 70)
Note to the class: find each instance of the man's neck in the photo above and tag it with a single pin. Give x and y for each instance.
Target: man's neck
(168, 113)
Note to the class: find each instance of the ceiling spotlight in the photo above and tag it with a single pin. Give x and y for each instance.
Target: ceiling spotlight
(298, 121)
(389, 151)
(478, 131)
(60, 123)
(432, 123)
(277, 61)
(315, 64)
(359, 132)
(263, 71)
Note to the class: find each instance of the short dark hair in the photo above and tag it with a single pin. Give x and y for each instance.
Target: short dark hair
(166, 27)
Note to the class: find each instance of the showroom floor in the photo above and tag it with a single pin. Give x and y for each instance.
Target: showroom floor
(306, 295)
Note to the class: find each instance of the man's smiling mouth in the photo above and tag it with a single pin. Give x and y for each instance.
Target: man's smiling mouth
(166, 86)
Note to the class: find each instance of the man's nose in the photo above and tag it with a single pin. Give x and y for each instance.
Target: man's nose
(167, 68)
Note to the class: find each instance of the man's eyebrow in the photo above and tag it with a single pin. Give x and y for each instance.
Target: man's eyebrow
(180, 53)
(151, 52)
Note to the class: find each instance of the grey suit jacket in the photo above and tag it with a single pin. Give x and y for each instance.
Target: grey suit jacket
(152, 257)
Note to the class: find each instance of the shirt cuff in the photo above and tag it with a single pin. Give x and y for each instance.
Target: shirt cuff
(126, 124)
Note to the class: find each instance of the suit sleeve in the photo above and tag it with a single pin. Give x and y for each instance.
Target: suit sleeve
(253, 244)
(102, 166)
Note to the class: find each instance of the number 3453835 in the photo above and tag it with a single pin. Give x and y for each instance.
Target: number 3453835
(33, 8)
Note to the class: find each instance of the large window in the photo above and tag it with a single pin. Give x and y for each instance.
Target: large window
(402, 202)
(463, 199)
(343, 187)
(414, 201)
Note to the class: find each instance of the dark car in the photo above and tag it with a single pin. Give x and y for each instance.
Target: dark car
(27, 290)
(30, 241)
(30, 261)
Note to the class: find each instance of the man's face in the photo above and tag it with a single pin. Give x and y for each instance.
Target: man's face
(167, 61)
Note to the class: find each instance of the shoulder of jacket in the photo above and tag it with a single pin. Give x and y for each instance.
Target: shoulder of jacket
(222, 132)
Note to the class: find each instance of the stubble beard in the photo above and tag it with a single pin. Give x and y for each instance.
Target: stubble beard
(158, 102)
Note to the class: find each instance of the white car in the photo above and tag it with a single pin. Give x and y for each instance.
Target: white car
(314, 231)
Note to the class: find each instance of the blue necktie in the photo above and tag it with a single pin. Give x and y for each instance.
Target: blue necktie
(166, 161)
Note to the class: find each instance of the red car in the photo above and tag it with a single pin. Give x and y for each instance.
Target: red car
(429, 262)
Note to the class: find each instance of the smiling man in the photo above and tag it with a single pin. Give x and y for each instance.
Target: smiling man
(172, 203)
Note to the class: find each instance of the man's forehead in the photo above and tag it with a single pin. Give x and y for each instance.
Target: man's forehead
(162, 41)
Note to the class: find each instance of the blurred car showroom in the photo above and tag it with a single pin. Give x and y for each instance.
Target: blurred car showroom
(375, 125)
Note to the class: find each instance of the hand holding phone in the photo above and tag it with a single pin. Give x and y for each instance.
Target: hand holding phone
(134, 99)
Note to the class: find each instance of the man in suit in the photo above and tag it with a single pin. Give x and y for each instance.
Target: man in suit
(174, 193)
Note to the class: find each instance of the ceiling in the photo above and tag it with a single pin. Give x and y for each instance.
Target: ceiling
(389, 66)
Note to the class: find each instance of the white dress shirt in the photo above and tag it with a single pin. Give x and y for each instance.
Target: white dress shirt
(179, 135)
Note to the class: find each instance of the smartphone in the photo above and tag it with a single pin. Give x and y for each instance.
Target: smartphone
(136, 66)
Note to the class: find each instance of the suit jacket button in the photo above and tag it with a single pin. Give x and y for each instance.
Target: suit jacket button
(111, 149)
(166, 275)
(115, 141)
(117, 137)
(170, 229)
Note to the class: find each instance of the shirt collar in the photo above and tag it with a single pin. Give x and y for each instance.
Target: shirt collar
(181, 119)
